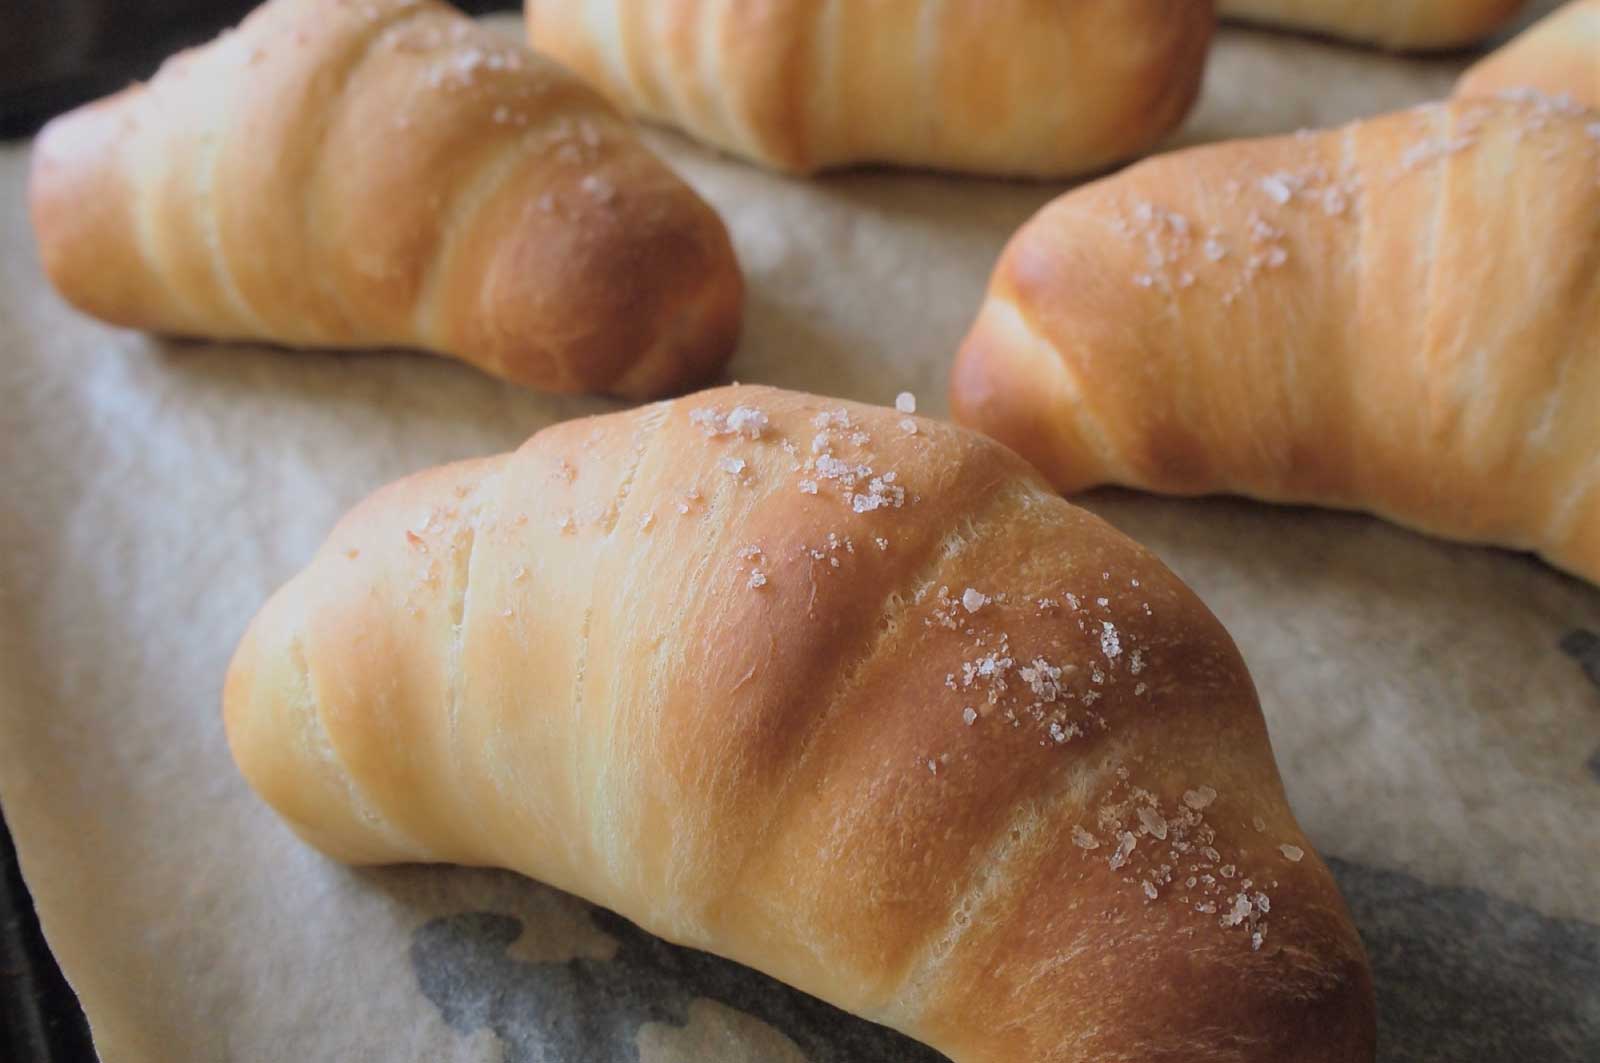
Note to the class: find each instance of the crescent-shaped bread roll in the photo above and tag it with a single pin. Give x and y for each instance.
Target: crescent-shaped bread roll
(1401, 316)
(1559, 56)
(846, 696)
(387, 174)
(1024, 87)
(1404, 25)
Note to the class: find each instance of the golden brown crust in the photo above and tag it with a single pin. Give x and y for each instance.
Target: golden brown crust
(850, 697)
(1023, 87)
(388, 174)
(1558, 56)
(1361, 318)
(1404, 25)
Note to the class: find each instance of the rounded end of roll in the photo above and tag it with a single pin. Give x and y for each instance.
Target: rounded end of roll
(614, 279)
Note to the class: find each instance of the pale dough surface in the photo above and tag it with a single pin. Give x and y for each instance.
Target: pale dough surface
(1436, 738)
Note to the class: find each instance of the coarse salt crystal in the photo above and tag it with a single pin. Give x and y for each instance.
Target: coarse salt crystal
(747, 421)
(598, 188)
(1292, 853)
(905, 402)
(758, 579)
(972, 600)
(1126, 843)
(1152, 822)
(731, 466)
(1200, 798)
(1276, 188)
(969, 715)
(1083, 839)
(1149, 890)
(1110, 642)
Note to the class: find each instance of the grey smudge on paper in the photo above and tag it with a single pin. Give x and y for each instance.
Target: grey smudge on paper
(590, 1011)
(1584, 647)
(1464, 977)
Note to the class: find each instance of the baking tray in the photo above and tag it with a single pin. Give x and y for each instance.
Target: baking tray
(40, 1021)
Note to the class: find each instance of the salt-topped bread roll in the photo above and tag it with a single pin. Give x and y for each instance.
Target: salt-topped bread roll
(386, 173)
(1400, 316)
(848, 696)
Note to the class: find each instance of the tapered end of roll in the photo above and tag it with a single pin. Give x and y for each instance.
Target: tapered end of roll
(279, 742)
(79, 211)
(1010, 384)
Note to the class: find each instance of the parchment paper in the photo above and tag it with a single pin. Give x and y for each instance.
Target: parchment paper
(1435, 708)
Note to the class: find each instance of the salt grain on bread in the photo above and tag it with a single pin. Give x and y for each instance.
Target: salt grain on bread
(1023, 87)
(1422, 345)
(750, 732)
(387, 174)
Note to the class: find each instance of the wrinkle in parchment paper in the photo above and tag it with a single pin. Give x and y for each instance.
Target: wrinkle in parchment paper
(1429, 703)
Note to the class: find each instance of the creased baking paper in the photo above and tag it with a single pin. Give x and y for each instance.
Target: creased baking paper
(1435, 708)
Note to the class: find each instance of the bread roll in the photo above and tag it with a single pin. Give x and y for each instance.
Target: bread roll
(387, 174)
(1400, 316)
(850, 697)
(1404, 25)
(1037, 88)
